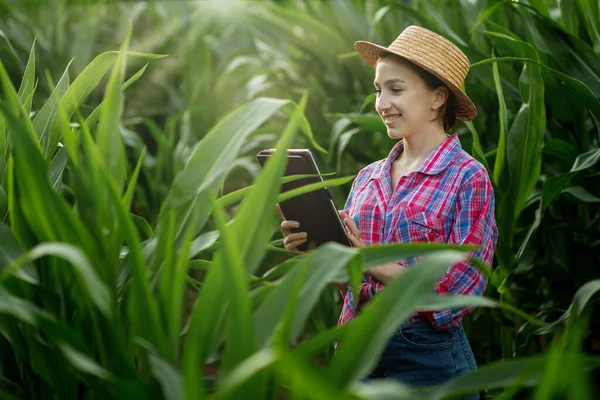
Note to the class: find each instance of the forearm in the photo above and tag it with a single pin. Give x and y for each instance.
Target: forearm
(384, 273)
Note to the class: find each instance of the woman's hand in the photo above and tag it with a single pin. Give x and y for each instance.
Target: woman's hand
(353, 232)
(291, 241)
(382, 272)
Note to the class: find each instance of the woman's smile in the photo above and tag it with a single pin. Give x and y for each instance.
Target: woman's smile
(389, 119)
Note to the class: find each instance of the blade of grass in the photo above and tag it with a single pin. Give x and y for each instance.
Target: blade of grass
(502, 116)
(28, 82)
(109, 138)
(85, 273)
(269, 314)
(81, 87)
(239, 316)
(238, 195)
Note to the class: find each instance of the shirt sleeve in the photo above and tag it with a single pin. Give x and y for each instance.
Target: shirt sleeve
(474, 224)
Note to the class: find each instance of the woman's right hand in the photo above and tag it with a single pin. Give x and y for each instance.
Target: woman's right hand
(291, 240)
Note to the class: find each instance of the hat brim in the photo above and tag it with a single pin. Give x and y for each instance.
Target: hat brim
(371, 52)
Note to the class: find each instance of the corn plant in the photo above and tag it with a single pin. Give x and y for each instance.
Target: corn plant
(104, 237)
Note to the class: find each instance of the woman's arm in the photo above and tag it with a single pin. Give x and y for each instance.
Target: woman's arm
(385, 272)
(382, 273)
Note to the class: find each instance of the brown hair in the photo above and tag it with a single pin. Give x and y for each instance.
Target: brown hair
(448, 111)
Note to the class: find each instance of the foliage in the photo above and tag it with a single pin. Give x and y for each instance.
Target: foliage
(123, 193)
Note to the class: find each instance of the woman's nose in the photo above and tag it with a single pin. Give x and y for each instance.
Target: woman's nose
(382, 103)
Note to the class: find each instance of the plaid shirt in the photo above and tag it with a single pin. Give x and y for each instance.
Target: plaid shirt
(449, 199)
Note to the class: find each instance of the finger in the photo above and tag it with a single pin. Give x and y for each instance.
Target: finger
(295, 236)
(280, 211)
(293, 246)
(288, 225)
(355, 241)
(351, 225)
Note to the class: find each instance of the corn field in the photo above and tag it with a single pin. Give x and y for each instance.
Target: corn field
(140, 250)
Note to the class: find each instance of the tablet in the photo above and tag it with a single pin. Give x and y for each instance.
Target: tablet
(315, 211)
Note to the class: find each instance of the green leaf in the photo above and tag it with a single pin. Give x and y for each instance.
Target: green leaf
(478, 152)
(82, 362)
(109, 138)
(95, 115)
(502, 116)
(366, 338)
(583, 296)
(167, 374)
(10, 251)
(19, 225)
(82, 86)
(208, 309)
(525, 139)
(380, 254)
(561, 149)
(524, 371)
(587, 96)
(197, 184)
(203, 242)
(85, 273)
(383, 389)
(133, 180)
(56, 168)
(245, 370)
(46, 213)
(239, 315)
(586, 160)
(268, 315)
(552, 188)
(238, 195)
(42, 121)
(28, 82)
(314, 186)
(581, 194)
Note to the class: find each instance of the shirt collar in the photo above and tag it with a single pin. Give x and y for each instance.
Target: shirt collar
(436, 161)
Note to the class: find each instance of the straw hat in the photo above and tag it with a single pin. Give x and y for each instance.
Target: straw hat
(435, 54)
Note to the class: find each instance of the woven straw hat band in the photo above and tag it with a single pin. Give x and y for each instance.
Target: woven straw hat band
(432, 52)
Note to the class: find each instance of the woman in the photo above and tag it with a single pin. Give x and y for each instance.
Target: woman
(427, 190)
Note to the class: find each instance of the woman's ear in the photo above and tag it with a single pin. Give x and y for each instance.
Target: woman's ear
(440, 98)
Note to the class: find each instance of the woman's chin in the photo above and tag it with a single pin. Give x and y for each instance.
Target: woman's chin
(395, 133)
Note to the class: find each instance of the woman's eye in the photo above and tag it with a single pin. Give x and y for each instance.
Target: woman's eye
(396, 90)
(377, 90)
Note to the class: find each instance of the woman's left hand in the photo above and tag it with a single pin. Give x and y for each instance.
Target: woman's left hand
(353, 232)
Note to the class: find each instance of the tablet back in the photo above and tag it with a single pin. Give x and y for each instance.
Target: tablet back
(315, 211)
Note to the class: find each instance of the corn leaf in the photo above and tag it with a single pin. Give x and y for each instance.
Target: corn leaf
(372, 328)
(28, 82)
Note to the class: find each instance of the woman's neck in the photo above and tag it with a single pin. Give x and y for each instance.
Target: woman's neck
(418, 147)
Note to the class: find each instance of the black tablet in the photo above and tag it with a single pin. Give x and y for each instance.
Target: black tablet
(315, 211)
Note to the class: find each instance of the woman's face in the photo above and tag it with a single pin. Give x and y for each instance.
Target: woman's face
(404, 101)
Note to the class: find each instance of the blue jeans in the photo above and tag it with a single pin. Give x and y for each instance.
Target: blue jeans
(421, 356)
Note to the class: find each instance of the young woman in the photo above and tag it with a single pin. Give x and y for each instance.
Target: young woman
(427, 190)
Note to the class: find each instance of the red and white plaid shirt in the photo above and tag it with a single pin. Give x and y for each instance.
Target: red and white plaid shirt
(449, 199)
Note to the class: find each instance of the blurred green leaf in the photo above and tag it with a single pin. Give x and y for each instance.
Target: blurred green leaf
(582, 194)
(369, 332)
(28, 82)
(586, 160)
(10, 251)
(266, 318)
(85, 273)
(206, 315)
(81, 87)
